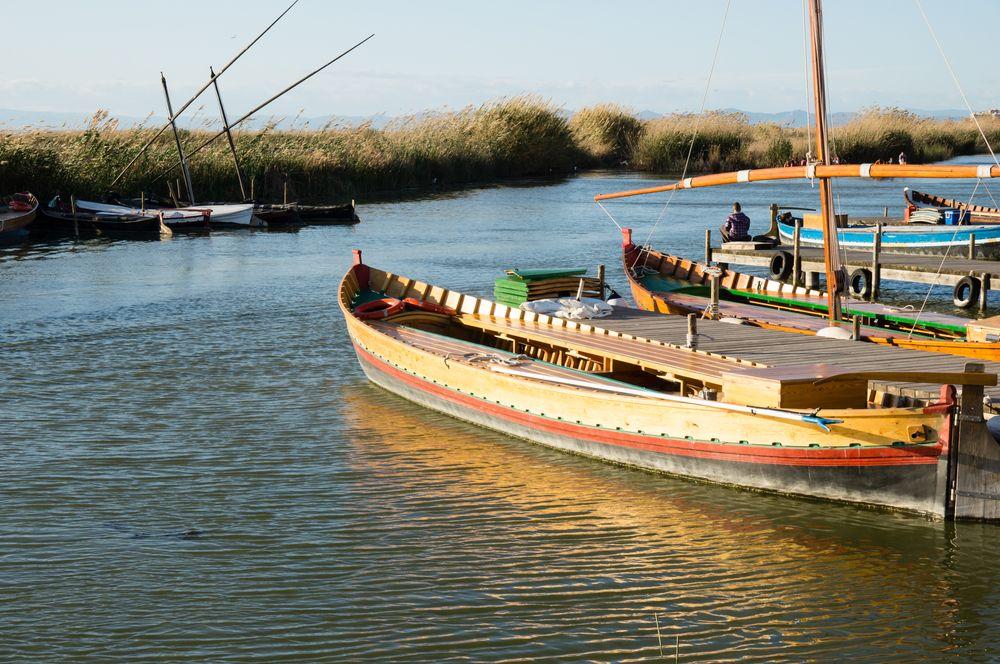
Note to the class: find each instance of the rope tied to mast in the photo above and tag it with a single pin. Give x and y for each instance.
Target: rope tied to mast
(644, 248)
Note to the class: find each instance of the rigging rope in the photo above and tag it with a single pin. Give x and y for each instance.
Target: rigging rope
(941, 265)
(694, 136)
(954, 78)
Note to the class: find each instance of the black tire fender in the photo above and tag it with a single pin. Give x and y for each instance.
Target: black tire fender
(966, 292)
(781, 265)
(860, 283)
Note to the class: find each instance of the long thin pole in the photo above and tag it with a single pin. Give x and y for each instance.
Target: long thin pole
(259, 107)
(229, 135)
(831, 253)
(876, 171)
(190, 101)
(177, 139)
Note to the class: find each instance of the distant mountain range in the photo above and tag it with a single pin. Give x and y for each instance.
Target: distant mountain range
(797, 118)
(18, 119)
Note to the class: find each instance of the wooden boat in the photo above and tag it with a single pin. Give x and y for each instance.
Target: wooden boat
(177, 220)
(916, 238)
(57, 219)
(227, 215)
(673, 285)
(16, 214)
(328, 215)
(277, 215)
(974, 214)
(807, 430)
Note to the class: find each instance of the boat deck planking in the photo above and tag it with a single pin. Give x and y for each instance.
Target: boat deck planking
(787, 349)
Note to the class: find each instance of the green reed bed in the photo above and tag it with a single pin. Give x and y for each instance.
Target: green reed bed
(511, 138)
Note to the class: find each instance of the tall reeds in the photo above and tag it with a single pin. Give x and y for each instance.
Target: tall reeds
(517, 137)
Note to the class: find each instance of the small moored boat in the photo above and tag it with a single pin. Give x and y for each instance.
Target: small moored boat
(16, 214)
(178, 220)
(671, 284)
(58, 218)
(328, 215)
(917, 202)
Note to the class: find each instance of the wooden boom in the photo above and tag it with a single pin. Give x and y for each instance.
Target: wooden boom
(915, 171)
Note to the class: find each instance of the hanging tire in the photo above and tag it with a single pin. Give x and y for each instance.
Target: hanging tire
(781, 265)
(860, 283)
(966, 292)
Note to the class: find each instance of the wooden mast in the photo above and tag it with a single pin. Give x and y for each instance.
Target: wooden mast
(229, 135)
(177, 139)
(831, 246)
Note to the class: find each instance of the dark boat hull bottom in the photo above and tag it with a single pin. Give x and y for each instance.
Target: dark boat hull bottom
(912, 487)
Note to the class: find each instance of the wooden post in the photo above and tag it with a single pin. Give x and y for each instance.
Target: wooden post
(708, 245)
(252, 178)
(579, 290)
(692, 333)
(972, 246)
(973, 457)
(180, 191)
(285, 197)
(796, 256)
(984, 288)
(885, 211)
(856, 328)
(714, 290)
(142, 201)
(600, 278)
(876, 263)
(173, 194)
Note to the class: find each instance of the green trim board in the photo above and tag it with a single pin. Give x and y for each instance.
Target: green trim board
(821, 307)
(544, 273)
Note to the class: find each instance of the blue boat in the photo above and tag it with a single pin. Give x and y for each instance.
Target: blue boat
(909, 239)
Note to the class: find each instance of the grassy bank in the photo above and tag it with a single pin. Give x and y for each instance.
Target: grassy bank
(511, 138)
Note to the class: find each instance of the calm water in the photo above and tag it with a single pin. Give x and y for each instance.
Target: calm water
(195, 469)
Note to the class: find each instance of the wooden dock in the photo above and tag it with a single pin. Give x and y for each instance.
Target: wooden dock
(785, 349)
(913, 268)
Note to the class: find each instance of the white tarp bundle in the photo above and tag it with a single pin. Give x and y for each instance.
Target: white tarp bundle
(569, 307)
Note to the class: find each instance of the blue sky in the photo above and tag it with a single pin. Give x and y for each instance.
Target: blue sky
(445, 53)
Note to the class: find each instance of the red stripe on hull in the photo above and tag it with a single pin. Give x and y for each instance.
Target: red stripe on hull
(830, 457)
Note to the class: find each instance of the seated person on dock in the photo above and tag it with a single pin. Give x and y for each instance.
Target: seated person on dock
(737, 226)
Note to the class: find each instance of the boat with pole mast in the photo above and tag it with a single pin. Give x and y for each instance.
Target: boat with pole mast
(771, 304)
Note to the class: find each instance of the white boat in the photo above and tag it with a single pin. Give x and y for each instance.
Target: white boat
(221, 216)
(235, 215)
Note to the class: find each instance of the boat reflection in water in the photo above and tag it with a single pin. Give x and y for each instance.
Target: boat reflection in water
(531, 540)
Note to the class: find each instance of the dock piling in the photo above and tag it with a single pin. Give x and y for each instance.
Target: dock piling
(796, 257)
(708, 245)
(600, 278)
(876, 263)
(972, 246)
(856, 328)
(984, 288)
(972, 460)
(692, 331)
(713, 309)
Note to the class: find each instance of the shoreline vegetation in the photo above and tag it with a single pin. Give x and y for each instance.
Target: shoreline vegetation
(511, 138)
